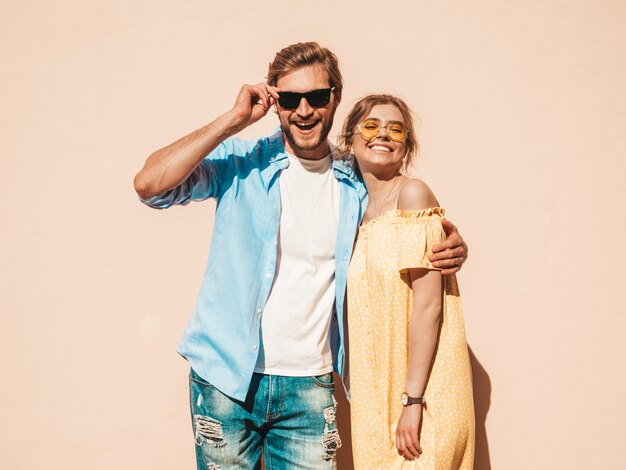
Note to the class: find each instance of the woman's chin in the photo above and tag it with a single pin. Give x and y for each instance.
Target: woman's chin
(378, 166)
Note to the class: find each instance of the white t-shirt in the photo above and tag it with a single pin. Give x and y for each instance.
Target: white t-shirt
(295, 326)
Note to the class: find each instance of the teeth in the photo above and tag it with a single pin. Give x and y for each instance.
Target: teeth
(305, 125)
(380, 148)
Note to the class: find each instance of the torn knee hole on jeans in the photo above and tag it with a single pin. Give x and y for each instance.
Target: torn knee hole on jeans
(330, 440)
(213, 466)
(208, 429)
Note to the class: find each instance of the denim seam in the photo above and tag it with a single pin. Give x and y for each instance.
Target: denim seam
(269, 399)
(322, 384)
(280, 407)
(205, 384)
(268, 456)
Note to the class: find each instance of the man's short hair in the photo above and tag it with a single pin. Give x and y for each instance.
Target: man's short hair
(302, 54)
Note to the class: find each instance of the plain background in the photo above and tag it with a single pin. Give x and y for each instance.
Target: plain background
(522, 111)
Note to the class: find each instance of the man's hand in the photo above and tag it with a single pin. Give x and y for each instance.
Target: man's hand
(449, 255)
(407, 432)
(252, 103)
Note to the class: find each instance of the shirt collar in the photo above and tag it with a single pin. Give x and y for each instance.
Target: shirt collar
(342, 166)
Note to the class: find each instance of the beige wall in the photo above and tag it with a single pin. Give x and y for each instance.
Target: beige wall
(523, 130)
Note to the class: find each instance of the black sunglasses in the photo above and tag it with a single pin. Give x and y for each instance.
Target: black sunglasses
(315, 98)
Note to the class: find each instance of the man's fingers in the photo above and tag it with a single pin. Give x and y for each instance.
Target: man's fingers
(262, 94)
(448, 263)
(448, 266)
(273, 91)
(456, 252)
(270, 92)
(445, 245)
(448, 227)
(453, 241)
(450, 271)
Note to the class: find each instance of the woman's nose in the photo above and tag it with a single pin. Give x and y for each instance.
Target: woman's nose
(381, 133)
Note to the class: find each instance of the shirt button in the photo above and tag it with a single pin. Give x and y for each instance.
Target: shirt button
(259, 311)
(268, 274)
(253, 347)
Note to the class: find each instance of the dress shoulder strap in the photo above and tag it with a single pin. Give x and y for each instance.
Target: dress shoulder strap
(400, 190)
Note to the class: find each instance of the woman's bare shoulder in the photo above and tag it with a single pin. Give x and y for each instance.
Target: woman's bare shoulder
(415, 194)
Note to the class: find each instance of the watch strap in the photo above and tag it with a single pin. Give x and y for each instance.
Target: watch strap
(415, 400)
(408, 400)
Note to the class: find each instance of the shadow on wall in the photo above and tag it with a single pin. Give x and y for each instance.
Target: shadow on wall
(482, 401)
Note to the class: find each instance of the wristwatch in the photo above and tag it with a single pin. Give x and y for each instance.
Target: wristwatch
(407, 400)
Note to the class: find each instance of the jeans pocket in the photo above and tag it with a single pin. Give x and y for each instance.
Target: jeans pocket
(193, 376)
(324, 380)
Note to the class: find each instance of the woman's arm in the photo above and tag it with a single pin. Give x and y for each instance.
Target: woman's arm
(423, 331)
(424, 327)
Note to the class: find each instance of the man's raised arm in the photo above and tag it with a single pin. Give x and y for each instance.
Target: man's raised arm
(172, 165)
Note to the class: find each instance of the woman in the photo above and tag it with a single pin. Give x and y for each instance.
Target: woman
(410, 374)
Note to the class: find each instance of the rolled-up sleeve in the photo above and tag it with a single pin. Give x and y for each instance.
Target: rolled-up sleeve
(202, 183)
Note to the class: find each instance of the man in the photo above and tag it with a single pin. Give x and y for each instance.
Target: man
(267, 330)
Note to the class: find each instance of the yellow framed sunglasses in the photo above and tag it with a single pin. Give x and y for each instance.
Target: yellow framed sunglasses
(370, 128)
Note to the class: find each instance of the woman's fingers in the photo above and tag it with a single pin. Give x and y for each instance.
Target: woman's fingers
(401, 446)
(415, 439)
(406, 445)
(409, 442)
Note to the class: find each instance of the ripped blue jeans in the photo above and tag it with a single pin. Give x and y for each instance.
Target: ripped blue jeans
(290, 419)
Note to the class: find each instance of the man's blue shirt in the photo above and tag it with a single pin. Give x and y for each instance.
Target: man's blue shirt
(222, 339)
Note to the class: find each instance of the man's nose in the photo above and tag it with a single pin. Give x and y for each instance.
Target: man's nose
(304, 108)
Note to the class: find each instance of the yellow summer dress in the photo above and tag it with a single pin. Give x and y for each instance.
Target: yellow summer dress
(380, 301)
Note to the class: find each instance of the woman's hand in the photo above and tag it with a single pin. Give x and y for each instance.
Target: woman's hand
(407, 432)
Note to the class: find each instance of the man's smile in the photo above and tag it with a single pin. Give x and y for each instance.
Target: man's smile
(306, 127)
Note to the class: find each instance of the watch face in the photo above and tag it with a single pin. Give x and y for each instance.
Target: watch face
(405, 399)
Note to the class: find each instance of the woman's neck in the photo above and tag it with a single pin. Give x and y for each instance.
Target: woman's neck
(382, 192)
(378, 185)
